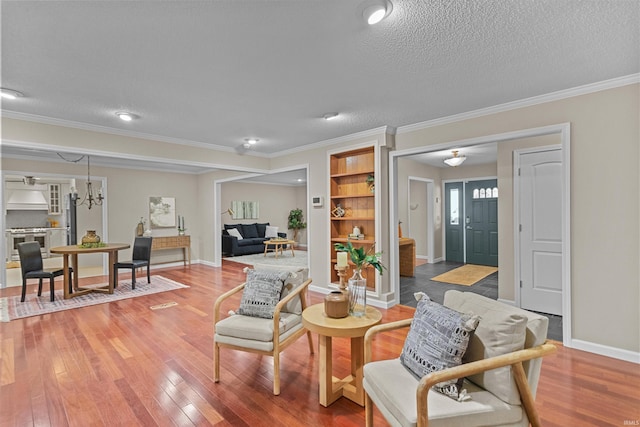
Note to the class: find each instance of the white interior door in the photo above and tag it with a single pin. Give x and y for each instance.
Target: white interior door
(540, 202)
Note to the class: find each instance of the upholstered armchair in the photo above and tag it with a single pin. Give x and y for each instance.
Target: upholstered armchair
(499, 384)
(263, 335)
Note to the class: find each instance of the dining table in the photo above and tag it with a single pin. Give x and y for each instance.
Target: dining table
(72, 251)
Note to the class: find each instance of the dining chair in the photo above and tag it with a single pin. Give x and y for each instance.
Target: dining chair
(32, 268)
(141, 257)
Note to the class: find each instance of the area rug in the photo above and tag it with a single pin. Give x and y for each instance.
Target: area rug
(284, 259)
(466, 275)
(11, 308)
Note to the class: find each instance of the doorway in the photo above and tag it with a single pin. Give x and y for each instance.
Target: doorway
(481, 222)
(539, 218)
(509, 287)
(471, 222)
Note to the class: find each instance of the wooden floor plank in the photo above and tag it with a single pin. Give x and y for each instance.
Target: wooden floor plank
(124, 364)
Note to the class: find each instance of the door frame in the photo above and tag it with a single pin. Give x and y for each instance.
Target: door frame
(564, 131)
(516, 214)
(430, 221)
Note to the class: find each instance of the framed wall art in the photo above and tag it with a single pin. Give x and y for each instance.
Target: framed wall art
(162, 212)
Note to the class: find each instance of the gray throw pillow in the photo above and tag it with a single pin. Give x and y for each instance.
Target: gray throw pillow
(261, 293)
(437, 340)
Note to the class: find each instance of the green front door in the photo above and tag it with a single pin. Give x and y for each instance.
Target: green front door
(454, 225)
(481, 222)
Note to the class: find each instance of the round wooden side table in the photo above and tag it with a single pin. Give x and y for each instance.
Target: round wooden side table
(332, 388)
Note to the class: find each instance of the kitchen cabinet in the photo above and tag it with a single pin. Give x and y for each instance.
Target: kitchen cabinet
(55, 203)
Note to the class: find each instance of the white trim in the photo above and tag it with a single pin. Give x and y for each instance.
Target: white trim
(517, 267)
(114, 131)
(217, 208)
(119, 155)
(386, 130)
(389, 130)
(430, 222)
(605, 350)
(373, 302)
(527, 102)
(564, 130)
(507, 302)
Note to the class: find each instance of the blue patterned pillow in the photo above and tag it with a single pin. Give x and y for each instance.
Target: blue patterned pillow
(261, 293)
(437, 339)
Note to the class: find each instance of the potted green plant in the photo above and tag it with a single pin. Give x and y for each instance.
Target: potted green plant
(371, 180)
(357, 284)
(361, 258)
(296, 222)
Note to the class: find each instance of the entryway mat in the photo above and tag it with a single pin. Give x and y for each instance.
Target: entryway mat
(466, 275)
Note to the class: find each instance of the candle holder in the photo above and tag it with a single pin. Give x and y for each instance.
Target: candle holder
(342, 273)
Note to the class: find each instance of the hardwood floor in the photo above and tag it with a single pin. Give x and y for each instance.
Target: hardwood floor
(124, 364)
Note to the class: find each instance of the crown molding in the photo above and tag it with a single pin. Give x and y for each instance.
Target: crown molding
(113, 131)
(389, 130)
(527, 102)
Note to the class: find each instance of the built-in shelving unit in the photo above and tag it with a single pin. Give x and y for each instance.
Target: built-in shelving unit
(352, 190)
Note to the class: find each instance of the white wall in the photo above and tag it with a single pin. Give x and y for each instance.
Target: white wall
(275, 203)
(605, 207)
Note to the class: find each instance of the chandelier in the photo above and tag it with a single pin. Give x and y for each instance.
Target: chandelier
(89, 199)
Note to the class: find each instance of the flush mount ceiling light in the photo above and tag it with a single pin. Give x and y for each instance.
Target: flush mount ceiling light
(10, 93)
(248, 142)
(126, 116)
(330, 116)
(375, 11)
(455, 160)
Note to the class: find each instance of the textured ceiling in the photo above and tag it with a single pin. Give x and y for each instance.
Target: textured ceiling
(216, 72)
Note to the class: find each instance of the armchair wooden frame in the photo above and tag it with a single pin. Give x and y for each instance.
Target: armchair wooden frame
(299, 292)
(514, 360)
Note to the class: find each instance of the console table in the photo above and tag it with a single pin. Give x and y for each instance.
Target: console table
(174, 242)
(407, 255)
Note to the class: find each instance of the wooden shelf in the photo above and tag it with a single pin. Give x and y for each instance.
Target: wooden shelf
(353, 218)
(349, 188)
(353, 241)
(342, 175)
(351, 196)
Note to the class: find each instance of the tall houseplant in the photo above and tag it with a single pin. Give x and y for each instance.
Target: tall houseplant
(296, 222)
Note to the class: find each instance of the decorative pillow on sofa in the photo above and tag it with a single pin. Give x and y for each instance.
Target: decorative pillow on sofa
(437, 340)
(271, 232)
(235, 233)
(261, 293)
(250, 231)
(261, 228)
(503, 330)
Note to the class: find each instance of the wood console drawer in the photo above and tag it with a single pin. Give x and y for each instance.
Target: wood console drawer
(174, 242)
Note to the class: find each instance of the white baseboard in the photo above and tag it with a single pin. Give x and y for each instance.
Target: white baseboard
(370, 301)
(507, 301)
(604, 350)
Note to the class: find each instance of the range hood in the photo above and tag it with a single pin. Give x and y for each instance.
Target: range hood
(31, 200)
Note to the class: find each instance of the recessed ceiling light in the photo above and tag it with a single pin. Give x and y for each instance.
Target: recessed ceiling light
(376, 10)
(126, 116)
(10, 93)
(330, 116)
(251, 141)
